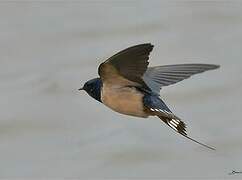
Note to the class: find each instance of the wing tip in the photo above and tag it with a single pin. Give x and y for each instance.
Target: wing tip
(149, 46)
(214, 66)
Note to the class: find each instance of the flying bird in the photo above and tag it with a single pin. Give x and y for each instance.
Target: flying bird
(128, 86)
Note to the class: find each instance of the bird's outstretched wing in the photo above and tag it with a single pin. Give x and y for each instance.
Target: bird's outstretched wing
(129, 64)
(155, 106)
(159, 76)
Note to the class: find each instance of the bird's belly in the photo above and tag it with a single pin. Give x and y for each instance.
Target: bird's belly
(124, 100)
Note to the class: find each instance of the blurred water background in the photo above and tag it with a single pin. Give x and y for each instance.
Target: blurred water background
(48, 129)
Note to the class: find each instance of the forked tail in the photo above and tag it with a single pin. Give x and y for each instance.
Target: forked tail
(180, 127)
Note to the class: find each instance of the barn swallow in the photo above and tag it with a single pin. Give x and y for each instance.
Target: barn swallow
(128, 86)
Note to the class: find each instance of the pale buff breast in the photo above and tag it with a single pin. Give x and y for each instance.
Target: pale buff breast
(124, 100)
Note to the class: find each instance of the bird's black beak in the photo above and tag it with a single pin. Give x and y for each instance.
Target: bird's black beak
(81, 89)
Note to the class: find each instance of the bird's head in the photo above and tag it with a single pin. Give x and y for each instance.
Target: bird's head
(93, 88)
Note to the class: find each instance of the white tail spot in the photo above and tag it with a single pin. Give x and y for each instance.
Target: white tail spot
(172, 126)
(173, 123)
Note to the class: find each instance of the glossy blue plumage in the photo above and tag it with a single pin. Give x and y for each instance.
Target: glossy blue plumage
(93, 88)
